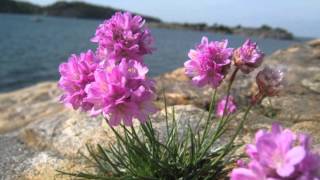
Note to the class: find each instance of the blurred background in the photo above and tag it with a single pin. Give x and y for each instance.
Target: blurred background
(37, 35)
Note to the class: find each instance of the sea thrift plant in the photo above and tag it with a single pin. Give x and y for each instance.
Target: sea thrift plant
(76, 74)
(279, 154)
(122, 92)
(248, 56)
(124, 35)
(113, 83)
(209, 62)
(225, 109)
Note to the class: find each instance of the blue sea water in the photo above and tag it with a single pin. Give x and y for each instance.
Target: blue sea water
(31, 50)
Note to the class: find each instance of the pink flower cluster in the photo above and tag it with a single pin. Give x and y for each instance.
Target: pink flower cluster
(124, 35)
(75, 75)
(209, 63)
(122, 92)
(114, 82)
(248, 57)
(279, 155)
(225, 107)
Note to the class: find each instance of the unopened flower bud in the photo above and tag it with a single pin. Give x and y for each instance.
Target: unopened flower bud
(270, 81)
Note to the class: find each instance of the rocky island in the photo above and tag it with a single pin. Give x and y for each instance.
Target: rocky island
(38, 135)
(89, 11)
(264, 31)
(63, 9)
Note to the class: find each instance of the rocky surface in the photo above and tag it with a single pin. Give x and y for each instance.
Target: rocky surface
(39, 136)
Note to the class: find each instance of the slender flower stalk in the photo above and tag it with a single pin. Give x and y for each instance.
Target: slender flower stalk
(232, 78)
(235, 135)
(225, 116)
(256, 99)
(208, 121)
(224, 106)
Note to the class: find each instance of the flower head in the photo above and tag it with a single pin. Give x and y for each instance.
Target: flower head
(222, 107)
(270, 81)
(123, 36)
(75, 75)
(122, 92)
(276, 151)
(209, 62)
(280, 154)
(248, 56)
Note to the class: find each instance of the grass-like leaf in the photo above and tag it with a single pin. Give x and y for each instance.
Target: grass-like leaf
(138, 153)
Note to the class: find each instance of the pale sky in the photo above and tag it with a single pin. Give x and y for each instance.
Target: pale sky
(302, 17)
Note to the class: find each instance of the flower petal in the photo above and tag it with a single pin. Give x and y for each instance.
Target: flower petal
(243, 174)
(285, 171)
(295, 155)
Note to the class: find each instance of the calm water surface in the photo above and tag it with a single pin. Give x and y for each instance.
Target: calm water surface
(31, 51)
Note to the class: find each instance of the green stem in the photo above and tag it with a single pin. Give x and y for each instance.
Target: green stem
(232, 78)
(221, 122)
(166, 110)
(240, 127)
(211, 107)
(224, 123)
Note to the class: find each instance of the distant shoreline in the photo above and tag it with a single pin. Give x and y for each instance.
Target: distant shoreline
(89, 11)
(264, 31)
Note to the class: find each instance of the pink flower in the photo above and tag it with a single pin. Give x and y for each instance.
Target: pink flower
(254, 171)
(221, 106)
(122, 92)
(280, 154)
(75, 75)
(275, 150)
(270, 81)
(248, 57)
(209, 63)
(123, 36)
